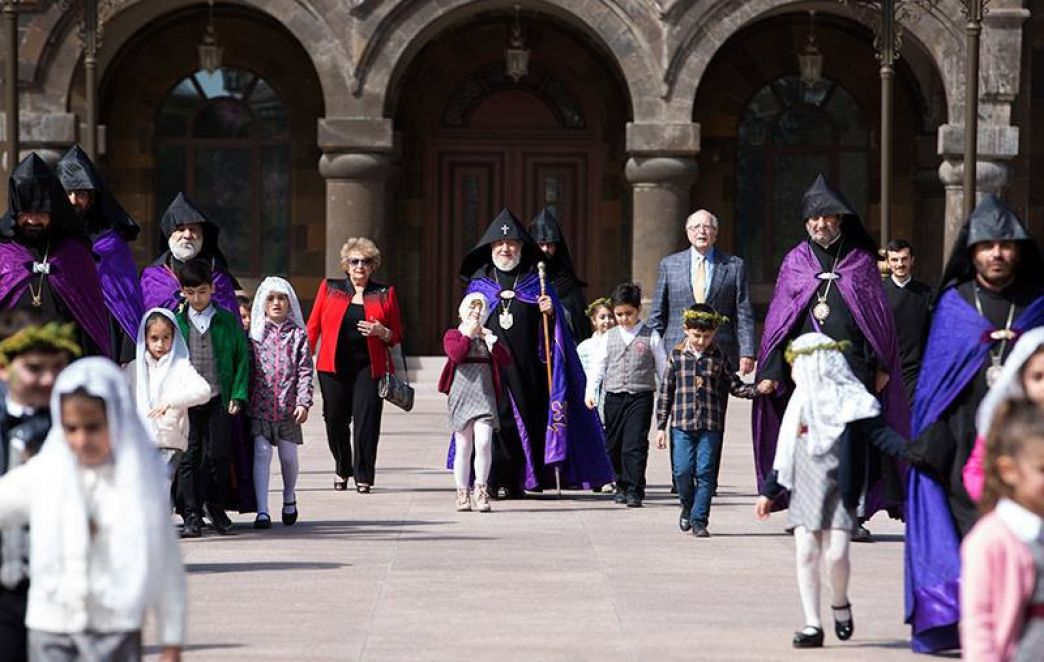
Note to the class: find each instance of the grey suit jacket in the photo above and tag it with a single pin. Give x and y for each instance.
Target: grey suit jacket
(728, 295)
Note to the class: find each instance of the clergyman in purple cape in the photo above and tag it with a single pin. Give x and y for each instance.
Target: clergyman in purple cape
(830, 284)
(110, 229)
(992, 290)
(542, 431)
(46, 264)
(190, 235)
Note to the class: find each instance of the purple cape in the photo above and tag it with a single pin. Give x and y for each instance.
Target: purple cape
(73, 277)
(954, 354)
(860, 287)
(574, 441)
(160, 289)
(119, 281)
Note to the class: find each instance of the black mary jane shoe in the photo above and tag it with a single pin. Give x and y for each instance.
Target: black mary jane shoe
(290, 518)
(806, 639)
(844, 629)
(262, 521)
(340, 485)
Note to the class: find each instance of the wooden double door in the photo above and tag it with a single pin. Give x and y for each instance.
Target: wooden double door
(470, 179)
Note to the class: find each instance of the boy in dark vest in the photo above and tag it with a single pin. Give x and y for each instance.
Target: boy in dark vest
(627, 367)
(218, 352)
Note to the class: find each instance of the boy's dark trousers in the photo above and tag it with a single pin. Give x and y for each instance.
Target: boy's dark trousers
(204, 469)
(13, 642)
(628, 419)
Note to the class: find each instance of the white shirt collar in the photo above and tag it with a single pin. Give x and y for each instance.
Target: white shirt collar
(901, 284)
(15, 409)
(1025, 525)
(632, 333)
(201, 319)
(696, 255)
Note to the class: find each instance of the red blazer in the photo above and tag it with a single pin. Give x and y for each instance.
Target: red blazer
(457, 346)
(331, 304)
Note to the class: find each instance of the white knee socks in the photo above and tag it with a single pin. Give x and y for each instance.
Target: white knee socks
(288, 464)
(832, 545)
(477, 437)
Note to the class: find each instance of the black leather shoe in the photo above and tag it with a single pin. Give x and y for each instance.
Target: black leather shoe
(193, 527)
(844, 629)
(219, 521)
(633, 501)
(861, 534)
(806, 639)
(700, 531)
(262, 521)
(683, 521)
(290, 518)
(619, 497)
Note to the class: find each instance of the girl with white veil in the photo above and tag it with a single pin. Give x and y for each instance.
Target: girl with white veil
(821, 460)
(102, 550)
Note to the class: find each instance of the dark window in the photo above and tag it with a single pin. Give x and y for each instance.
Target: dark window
(223, 138)
(788, 134)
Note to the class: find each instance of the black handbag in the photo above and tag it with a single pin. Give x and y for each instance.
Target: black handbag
(395, 389)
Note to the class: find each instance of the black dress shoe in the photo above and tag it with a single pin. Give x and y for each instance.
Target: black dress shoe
(700, 531)
(633, 501)
(861, 534)
(219, 520)
(290, 518)
(806, 639)
(684, 523)
(844, 629)
(619, 497)
(340, 485)
(193, 527)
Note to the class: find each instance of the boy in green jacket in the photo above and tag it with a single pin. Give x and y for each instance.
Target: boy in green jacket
(218, 352)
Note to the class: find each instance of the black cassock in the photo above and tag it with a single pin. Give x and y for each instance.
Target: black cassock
(911, 307)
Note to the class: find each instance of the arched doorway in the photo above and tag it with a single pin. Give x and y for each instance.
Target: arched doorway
(765, 135)
(475, 141)
(240, 141)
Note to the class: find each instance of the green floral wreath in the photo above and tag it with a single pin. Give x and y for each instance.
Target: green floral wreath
(603, 302)
(837, 346)
(51, 336)
(715, 318)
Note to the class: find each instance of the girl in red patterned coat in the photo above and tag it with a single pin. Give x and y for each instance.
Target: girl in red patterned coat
(282, 391)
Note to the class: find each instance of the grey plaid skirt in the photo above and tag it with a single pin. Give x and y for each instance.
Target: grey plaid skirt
(275, 431)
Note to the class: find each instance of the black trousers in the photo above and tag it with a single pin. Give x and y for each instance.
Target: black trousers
(13, 633)
(204, 470)
(628, 419)
(351, 398)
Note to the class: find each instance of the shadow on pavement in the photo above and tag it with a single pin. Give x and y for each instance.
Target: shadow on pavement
(216, 568)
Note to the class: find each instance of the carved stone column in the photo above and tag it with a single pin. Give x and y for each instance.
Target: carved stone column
(356, 163)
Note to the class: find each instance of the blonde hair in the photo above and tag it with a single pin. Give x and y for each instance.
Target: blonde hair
(362, 245)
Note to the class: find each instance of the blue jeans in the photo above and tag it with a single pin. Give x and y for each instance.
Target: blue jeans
(695, 454)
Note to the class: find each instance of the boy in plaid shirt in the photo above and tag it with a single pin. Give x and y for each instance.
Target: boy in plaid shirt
(693, 397)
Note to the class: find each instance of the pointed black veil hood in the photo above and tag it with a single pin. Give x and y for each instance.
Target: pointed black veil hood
(77, 172)
(183, 211)
(992, 220)
(505, 226)
(33, 186)
(544, 229)
(822, 199)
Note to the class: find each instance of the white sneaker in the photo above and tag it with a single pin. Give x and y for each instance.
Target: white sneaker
(482, 499)
(463, 500)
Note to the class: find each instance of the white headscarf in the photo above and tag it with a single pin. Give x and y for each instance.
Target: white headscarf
(59, 536)
(465, 308)
(148, 387)
(1008, 384)
(257, 311)
(827, 396)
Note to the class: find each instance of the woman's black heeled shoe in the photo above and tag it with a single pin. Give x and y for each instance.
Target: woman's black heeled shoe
(340, 485)
(844, 629)
(804, 639)
(290, 518)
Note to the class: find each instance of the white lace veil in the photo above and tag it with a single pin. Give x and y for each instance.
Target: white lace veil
(257, 310)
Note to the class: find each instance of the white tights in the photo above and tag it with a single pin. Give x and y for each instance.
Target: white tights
(832, 547)
(263, 468)
(477, 436)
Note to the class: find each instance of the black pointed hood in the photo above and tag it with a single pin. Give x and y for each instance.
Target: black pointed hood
(505, 226)
(77, 172)
(991, 220)
(33, 186)
(544, 229)
(822, 199)
(182, 211)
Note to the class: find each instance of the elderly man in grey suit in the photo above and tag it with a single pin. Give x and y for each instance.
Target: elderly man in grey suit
(705, 274)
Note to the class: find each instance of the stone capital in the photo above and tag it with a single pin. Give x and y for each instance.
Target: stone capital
(346, 134)
(990, 176)
(661, 171)
(355, 166)
(995, 142)
(648, 139)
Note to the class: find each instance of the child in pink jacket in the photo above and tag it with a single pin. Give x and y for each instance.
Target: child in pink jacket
(1021, 377)
(1002, 557)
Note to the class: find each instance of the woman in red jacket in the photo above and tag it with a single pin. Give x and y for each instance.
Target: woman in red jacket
(358, 320)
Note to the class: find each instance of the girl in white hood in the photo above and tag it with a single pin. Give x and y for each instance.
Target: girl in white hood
(102, 551)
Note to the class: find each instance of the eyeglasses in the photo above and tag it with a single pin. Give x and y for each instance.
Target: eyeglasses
(360, 261)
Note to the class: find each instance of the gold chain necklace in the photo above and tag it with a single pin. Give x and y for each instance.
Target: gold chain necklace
(37, 295)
